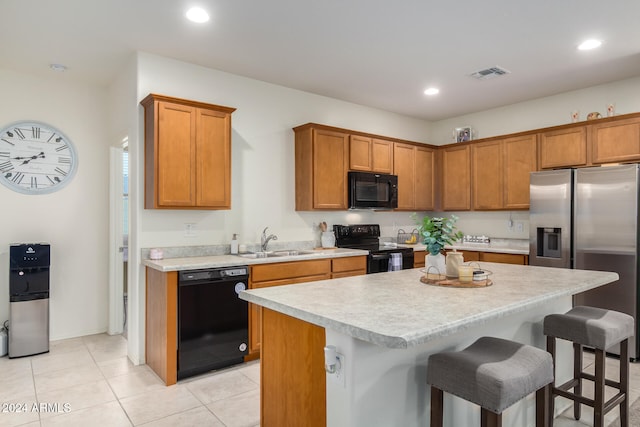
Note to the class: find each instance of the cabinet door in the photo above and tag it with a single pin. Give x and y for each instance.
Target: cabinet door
(487, 175)
(360, 153)
(330, 161)
(424, 187)
(403, 165)
(563, 148)
(382, 156)
(503, 258)
(520, 159)
(213, 148)
(617, 141)
(176, 155)
(456, 185)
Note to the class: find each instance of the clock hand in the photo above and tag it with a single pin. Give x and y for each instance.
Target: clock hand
(28, 159)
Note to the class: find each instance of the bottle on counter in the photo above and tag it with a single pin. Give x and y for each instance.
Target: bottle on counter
(234, 245)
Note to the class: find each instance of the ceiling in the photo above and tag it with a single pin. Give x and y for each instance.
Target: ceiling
(378, 53)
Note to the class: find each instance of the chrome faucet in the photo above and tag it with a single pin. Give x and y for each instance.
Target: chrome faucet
(264, 240)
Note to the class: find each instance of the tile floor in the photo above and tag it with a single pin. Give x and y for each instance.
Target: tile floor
(89, 381)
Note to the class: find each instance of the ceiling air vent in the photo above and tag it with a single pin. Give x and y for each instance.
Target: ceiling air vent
(490, 73)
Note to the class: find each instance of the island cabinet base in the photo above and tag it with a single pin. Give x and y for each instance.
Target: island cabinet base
(387, 386)
(292, 377)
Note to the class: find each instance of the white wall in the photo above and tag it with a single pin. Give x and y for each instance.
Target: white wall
(262, 152)
(74, 220)
(542, 112)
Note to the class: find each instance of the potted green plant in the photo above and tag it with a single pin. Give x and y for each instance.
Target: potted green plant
(437, 232)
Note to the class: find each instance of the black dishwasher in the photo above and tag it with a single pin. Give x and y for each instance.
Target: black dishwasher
(212, 320)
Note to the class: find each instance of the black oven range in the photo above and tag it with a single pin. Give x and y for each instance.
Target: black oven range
(381, 258)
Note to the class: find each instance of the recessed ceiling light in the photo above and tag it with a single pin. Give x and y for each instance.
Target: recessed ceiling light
(197, 14)
(58, 67)
(589, 44)
(432, 91)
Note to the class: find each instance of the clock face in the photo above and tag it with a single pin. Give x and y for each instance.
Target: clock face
(35, 158)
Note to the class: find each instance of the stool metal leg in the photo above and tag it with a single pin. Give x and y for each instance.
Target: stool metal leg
(437, 407)
(577, 375)
(490, 419)
(598, 404)
(624, 383)
(551, 348)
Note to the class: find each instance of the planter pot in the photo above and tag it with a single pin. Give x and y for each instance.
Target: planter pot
(437, 262)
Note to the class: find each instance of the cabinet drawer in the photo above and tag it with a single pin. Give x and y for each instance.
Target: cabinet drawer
(339, 265)
(290, 270)
(503, 258)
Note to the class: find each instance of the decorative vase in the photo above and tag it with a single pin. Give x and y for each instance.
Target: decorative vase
(435, 261)
(328, 239)
(453, 260)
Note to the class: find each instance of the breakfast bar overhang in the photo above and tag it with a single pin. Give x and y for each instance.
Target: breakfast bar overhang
(385, 326)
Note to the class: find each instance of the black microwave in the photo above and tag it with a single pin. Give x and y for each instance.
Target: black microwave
(372, 191)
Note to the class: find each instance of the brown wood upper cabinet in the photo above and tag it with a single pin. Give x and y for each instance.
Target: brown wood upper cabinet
(456, 178)
(414, 166)
(563, 148)
(617, 141)
(370, 154)
(322, 160)
(187, 154)
(501, 171)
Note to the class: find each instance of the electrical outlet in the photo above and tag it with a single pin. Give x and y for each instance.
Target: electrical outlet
(339, 375)
(189, 230)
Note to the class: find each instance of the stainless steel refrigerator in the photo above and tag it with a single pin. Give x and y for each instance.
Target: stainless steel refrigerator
(588, 219)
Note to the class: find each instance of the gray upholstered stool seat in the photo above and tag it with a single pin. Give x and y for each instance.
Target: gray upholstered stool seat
(590, 326)
(493, 373)
(600, 329)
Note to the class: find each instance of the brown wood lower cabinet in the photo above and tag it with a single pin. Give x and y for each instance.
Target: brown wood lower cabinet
(287, 273)
(477, 256)
(292, 378)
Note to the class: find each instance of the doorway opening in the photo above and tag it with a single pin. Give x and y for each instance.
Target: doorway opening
(125, 231)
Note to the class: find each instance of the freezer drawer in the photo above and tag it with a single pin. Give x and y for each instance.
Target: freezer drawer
(28, 327)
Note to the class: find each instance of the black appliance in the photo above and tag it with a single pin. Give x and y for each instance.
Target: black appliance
(29, 299)
(367, 237)
(213, 325)
(372, 191)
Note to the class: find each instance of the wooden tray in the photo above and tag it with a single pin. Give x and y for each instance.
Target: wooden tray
(440, 280)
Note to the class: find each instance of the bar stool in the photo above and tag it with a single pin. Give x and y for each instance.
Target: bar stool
(600, 329)
(493, 373)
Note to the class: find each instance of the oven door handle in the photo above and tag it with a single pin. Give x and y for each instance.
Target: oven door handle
(380, 256)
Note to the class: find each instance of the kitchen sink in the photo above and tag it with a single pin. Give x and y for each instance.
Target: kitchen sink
(271, 254)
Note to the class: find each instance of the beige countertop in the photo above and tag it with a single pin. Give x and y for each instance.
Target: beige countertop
(397, 310)
(503, 246)
(215, 261)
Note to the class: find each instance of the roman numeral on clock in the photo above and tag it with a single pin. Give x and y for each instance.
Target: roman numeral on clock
(4, 154)
(19, 133)
(61, 172)
(66, 160)
(6, 166)
(18, 177)
(62, 147)
(35, 132)
(8, 142)
(34, 182)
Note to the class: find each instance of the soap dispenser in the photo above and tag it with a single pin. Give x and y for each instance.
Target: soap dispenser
(234, 245)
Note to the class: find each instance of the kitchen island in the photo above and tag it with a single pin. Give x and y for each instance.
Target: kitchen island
(386, 325)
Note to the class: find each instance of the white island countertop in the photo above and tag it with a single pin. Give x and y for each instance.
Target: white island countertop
(396, 310)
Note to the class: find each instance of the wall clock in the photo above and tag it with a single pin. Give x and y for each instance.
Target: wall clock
(35, 158)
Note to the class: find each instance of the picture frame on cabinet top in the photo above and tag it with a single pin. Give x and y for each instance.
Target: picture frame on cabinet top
(463, 134)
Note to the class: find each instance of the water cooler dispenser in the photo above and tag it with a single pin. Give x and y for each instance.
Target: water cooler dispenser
(28, 299)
